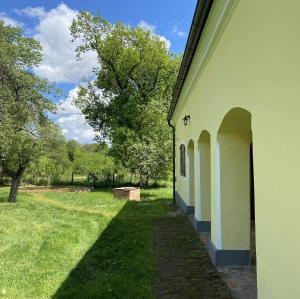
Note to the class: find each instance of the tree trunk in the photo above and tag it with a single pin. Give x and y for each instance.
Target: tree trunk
(15, 185)
(113, 180)
(72, 180)
(49, 179)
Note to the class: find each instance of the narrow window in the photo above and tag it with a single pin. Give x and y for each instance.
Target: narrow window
(182, 159)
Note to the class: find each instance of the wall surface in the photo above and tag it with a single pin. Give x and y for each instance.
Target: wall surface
(253, 62)
(204, 175)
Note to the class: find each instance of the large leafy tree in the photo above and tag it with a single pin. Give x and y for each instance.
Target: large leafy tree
(24, 148)
(128, 100)
(24, 124)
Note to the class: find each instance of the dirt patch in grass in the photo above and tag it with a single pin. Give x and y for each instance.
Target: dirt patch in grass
(184, 269)
(42, 189)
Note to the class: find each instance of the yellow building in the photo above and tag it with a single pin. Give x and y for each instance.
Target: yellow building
(236, 116)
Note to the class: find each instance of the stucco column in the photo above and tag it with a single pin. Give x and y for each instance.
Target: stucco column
(205, 179)
(215, 194)
(235, 191)
(197, 185)
(202, 186)
(231, 240)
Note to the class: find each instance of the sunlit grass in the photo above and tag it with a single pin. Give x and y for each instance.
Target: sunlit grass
(106, 242)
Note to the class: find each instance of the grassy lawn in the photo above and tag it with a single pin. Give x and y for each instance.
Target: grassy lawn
(78, 245)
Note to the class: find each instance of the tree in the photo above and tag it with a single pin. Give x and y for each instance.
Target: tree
(52, 162)
(94, 163)
(24, 124)
(72, 150)
(24, 149)
(128, 101)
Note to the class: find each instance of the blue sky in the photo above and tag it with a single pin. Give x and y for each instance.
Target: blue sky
(48, 21)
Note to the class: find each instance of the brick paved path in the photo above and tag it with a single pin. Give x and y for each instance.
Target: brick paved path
(184, 267)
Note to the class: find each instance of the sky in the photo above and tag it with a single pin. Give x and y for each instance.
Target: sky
(49, 22)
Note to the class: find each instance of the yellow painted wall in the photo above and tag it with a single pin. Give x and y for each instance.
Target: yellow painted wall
(254, 64)
(235, 190)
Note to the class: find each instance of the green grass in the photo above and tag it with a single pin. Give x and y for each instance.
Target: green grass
(78, 245)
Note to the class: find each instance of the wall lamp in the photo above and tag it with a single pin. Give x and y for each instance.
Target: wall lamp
(186, 119)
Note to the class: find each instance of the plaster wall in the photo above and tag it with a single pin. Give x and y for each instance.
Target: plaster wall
(254, 64)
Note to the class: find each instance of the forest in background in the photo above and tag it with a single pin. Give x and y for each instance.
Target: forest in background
(71, 163)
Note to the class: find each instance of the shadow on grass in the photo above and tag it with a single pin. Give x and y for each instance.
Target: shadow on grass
(119, 264)
(3, 198)
(4, 191)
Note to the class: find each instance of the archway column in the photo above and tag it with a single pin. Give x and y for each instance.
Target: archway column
(230, 240)
(197, 188)
(202, 184)
(215, 195)
(190, 171)
(230, 244)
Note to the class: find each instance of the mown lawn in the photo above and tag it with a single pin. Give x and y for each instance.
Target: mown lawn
(78, 245)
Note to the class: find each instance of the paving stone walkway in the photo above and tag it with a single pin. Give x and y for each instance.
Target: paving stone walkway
(184, 267)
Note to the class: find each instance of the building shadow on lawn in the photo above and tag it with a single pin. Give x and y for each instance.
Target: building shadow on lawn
(119, 264)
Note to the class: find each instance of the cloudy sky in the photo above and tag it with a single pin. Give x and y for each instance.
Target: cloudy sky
(49, 22)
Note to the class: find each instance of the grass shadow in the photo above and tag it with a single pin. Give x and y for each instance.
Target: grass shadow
(119, 264)
(3, 198)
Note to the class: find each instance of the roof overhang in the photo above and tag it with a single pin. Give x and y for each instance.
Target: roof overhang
(199, 20)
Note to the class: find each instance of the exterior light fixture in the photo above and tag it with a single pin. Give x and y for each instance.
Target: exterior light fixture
(186, 119)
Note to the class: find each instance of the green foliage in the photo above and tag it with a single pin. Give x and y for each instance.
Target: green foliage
(90, 161)
(24, 125)
(51, 163)
(73, 150)
(22, 94)
(128, 101)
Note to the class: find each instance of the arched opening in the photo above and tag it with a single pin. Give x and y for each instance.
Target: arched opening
(234, 191)
(191, 174)
(203, 206)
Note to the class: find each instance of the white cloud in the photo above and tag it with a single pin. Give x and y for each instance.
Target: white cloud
(59, 59)
(72, 121)
(66, 106)
(150, 27)
(32, 12)
(146, 26)
(75, 127)
(177, 31)
(9, 21)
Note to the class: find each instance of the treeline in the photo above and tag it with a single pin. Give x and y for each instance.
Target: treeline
(72, 163)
